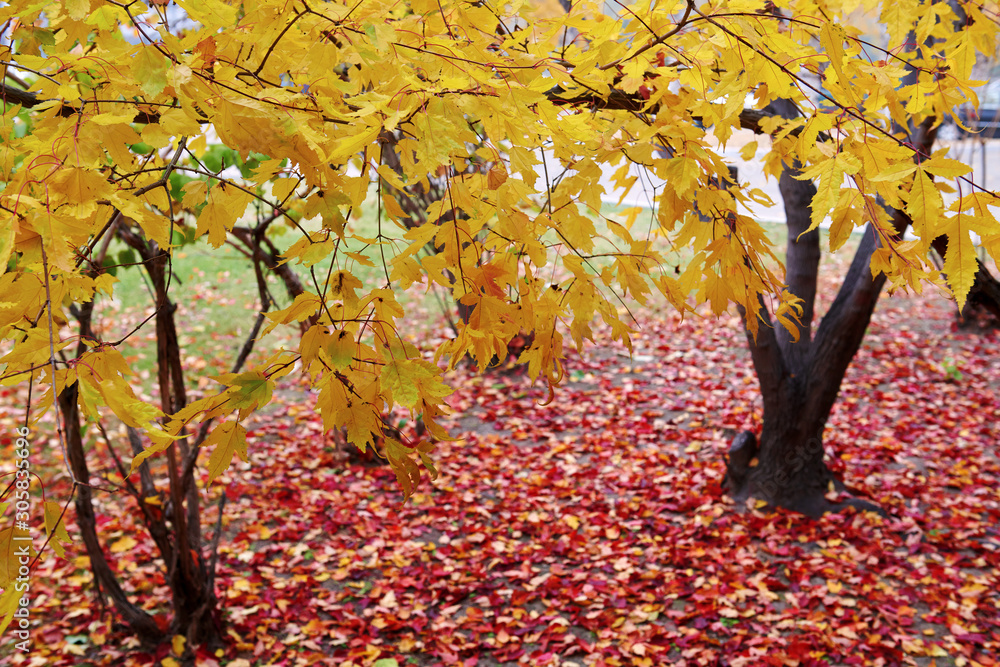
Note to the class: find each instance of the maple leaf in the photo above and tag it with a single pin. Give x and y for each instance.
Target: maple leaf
(225, 206)
(249, 391)
(55, 528)
(150, 70)
(959, 260)
(830, 174)
(228, 439)
(414, 380)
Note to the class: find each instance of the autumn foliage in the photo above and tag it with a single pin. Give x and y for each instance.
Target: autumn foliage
(114, 111)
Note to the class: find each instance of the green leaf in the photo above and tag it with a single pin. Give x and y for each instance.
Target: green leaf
(249, 391)
(411, 380)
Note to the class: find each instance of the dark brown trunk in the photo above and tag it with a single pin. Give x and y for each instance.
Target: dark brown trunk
(800, 381)
(984, 298)
(194, 603)
(791, 471)
(984, 295)
(138, 621)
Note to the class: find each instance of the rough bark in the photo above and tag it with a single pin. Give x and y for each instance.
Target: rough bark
(799, 391)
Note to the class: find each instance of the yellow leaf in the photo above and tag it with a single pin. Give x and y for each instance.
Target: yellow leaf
(960, 260)
(161, 440)
(10, 600)
(179, 123)
(105, 17)
(830, 175)
(154, 135)
(282, 187)
(150, 70)
(894, 172)
(11, 542)
(925, 207)
(405, 271)
(413, 380)
(945, 167)
(228, 439)
(226, 204)
(55, 528)
(844, 219)
(118, 396)
(717, 291)
(77, 9)
(81, 185)
(249, 391)
(832, 38)
(341, 349)
(407, 471)
(124, 544)
(177, 644)
(212, 14)
(304, 306)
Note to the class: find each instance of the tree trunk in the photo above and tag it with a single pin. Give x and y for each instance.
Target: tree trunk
(138, 621)
(800, 381)
(799, 390)
(984, 295)
(194, 603)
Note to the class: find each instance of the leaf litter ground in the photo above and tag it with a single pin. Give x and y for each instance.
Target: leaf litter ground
(593, 530)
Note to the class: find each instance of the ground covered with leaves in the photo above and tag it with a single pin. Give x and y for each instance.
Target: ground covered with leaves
(591, 529)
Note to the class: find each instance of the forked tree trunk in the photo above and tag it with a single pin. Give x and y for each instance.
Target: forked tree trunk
(799, 381)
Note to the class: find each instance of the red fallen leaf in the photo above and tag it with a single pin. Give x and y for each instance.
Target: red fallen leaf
(333, 542)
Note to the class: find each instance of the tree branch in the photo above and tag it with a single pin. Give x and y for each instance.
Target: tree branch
(802, 255)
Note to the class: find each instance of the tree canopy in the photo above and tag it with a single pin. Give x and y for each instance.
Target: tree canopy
(112, 112)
